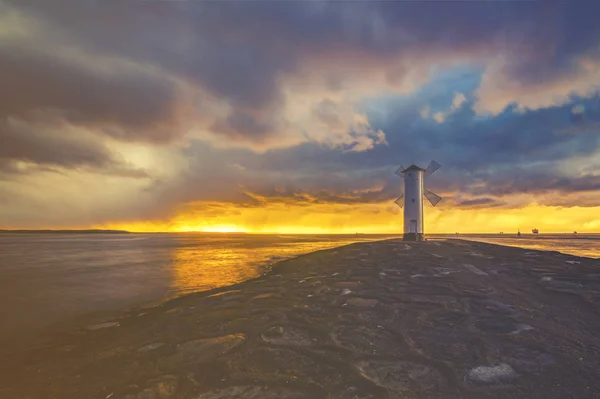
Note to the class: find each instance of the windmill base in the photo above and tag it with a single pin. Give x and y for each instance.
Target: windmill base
(413, 237)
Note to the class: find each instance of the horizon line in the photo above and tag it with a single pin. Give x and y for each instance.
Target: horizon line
(263, 232)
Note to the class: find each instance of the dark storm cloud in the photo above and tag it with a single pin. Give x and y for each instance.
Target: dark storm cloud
(45, 150)
(26, 143)
(239, 51)
(240, 72)
(126, 103)
(540, 183)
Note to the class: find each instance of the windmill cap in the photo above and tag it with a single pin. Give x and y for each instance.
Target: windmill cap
(413, 168)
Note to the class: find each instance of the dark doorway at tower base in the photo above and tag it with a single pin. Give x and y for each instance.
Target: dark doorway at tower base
(413, 237)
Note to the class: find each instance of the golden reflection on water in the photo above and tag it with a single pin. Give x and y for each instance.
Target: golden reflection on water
(200, 268)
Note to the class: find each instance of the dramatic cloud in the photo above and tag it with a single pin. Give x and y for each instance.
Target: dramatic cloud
(193, 111)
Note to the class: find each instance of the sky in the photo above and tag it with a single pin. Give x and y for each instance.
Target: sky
(292, 116)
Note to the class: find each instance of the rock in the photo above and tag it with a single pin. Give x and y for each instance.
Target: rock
(502, 372)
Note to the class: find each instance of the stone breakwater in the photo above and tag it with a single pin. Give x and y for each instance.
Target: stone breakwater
(435, 319)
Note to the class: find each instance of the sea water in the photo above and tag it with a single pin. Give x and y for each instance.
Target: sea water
(48, 279)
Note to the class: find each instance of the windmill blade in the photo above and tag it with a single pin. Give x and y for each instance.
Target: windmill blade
(432, 197)
(433, 166)
(399, 171)
(400, 201)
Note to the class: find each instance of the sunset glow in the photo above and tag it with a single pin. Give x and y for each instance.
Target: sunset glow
(377, 219)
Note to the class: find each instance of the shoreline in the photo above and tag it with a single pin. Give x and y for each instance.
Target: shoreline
(442, 318)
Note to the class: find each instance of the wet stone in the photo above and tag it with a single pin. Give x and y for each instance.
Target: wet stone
(285, 336)
(494, 374)
(401, 376)
(251, 392)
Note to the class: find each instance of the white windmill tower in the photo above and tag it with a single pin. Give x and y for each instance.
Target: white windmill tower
(412, 199)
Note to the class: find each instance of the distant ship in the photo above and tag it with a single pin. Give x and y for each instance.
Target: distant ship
(535, 231)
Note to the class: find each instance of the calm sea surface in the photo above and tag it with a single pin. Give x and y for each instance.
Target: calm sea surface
(580, 245)
(51, 279)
